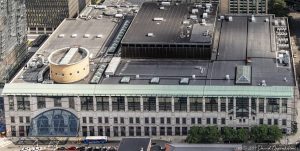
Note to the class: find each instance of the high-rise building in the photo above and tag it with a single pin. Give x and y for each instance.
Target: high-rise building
(12, 37)
(44, 16)
(244, 6)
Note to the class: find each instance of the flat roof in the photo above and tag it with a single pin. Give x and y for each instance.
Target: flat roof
(171, 28)
(73, 33)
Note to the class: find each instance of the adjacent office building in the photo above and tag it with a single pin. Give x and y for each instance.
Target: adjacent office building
(244, 6)
(13, 39)
(44, 16)
(74, 87)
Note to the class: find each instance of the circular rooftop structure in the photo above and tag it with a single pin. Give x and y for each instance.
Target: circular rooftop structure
(68, 65)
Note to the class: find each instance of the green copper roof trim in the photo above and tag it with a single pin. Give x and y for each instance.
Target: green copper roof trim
(147, 90)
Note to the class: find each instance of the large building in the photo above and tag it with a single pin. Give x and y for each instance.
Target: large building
(248, 80)
(244, 6)
(44, 16)
(13, 39)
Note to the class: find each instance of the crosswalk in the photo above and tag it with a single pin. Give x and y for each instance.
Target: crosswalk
(4, 142)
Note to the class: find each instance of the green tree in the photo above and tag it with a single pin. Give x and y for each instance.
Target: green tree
(194, 135)
(211, 134)
(94, 2)
(259, 133)
(275, 133)
(228, 134)
(278, 7)
(242, 135)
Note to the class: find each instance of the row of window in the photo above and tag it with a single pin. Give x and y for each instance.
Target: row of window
(21, 119)
(210, 104)
(167, 120)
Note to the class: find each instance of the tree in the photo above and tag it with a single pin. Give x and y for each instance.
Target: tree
(211, 134)
(278, 7)
(275, 133)
(228, 134)
(264, 133)
(194, 135)
(242, 135)
(94, 2)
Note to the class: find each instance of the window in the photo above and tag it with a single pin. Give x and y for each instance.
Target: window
(168, 120)
(253, 106)
(91, 120)
(41, 103)
(102, 103)
(269, 121)
(162, 131)
(153, 131)
(84, 131)
(131, 131)
(57, 101)
(273, 105)
(11, 103)
(193, 121)
(223, 104)
(180, 104)
(207, 120)
(106, 120)
(284, 122)
(123, 130)
(284, 105)
(115, 120)
(153, 120)
(138, 131)
(149, 103)
(183, 120)
(242, 107)
(134, 103)
(199, 121)
(184, 131)
(230, 105)
(71, 103)
(131, 120)
(21, 119)
(27, 118)
(116, 130)
(196, 104)
(162, 120)
(146, 120)
(177, 131)
(107, 131)
(137, 120)
(223, 121)
(87, 103)
(83, 119)
(261, 105)
(169, 131)
(165, 104)
(13, 131)
(100, 120)
(211, 104)
(92, 130)
(146, 130)
(261, 121)
(275, 121)
(118, 103)
(100, 131)
(177, 120)
(214, 120)
(12, 119)
(23, 103)
(122, 120)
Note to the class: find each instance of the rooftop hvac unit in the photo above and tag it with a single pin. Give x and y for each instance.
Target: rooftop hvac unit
(267, 20)
(194, 76)
(125, 80)
(227, 77)
(154, 80)
(252, 18)
(137, 76)
(158, 19)
(263, 83)
(205, 15)
(230, 18)
(194, 11)
(222, 17)
(61, 35)
(166, 3)
(150, 35)
(162, 7)
(74, 35)
(99, 36)
(194, 17)
(276, 23)
(86, 35)
(119, 15)
(184, 81)
(185, 22)
(282, 22)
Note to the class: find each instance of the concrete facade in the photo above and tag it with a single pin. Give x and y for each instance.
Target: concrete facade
(244, 6)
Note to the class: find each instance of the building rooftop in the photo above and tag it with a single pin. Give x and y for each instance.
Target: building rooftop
(156, 23)
(203, 147)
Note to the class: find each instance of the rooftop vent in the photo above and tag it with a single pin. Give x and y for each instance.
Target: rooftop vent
(154, 80)
(205, 15)
(137, 76)
(158, 19)
(267, 20)
(227, 77)
(184, 81)
(194, 17)
(252, 18)
(243, 74)
(74, 35)
(166, 3)
(86, 35)
(99, 36)
(194, 76)
(263, 83)
(161, 7)
(150, 35)
(195, 11)
(119, 15)
(61, 35)
(125, 80)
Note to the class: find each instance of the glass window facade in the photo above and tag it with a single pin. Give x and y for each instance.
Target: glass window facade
(23, 103)
(102, 103)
